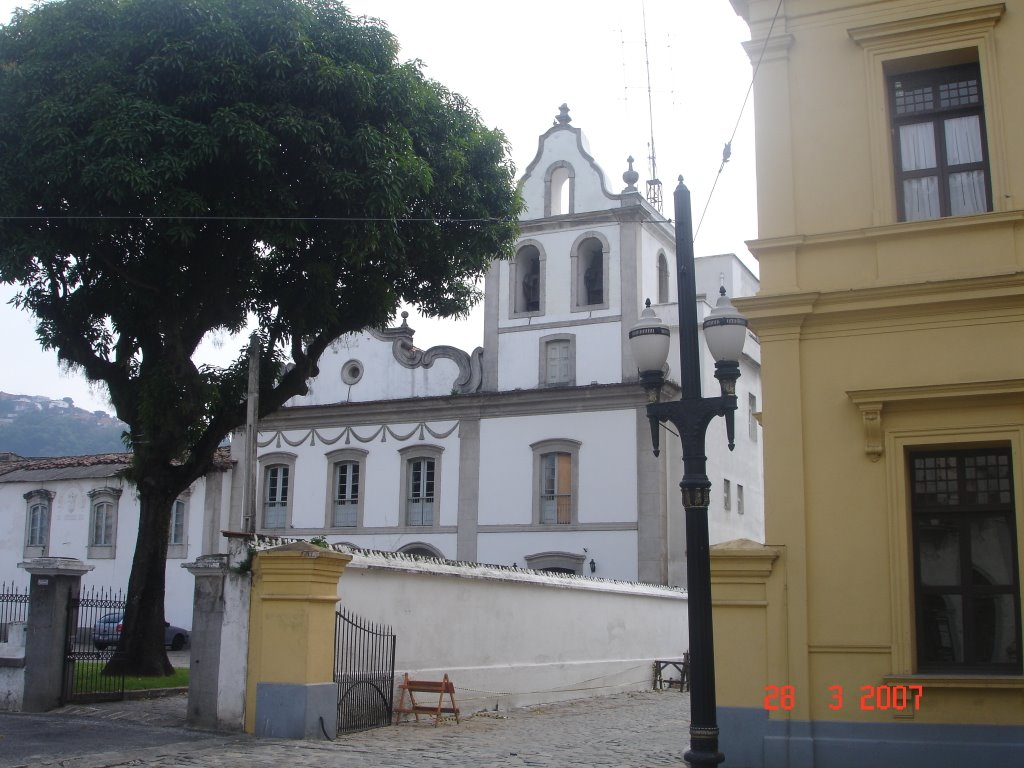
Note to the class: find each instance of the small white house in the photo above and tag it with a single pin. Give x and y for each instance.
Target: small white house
(83, 507)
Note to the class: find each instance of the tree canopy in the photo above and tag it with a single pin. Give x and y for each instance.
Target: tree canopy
(172, 168)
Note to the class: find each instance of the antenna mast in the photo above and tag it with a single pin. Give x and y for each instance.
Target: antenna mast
(653, 184)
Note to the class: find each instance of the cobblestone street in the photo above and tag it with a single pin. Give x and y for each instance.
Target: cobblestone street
(629, 729)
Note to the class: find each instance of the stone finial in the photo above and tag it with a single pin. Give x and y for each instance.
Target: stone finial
(563, 115)
(630, 176)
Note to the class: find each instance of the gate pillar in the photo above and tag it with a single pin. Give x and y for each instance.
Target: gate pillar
(220, 627)
(54, 582)
(290, 686)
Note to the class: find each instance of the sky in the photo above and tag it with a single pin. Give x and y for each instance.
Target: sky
(516, 63)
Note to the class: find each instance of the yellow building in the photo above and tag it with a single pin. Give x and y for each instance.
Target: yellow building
(882, 621)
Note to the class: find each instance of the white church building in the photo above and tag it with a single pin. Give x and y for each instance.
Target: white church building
(535, 450)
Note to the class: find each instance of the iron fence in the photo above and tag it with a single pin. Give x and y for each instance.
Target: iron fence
(93, 633)
(13, 608)
(364, 669)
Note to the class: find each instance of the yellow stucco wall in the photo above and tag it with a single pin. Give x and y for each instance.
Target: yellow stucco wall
(876, 336)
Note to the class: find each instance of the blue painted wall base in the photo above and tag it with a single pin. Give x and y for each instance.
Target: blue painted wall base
(293, 711)
(750, 740)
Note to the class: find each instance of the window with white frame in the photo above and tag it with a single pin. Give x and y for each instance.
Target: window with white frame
(558, 360)
(727, 495)
(556, 482)
(939, 143)
(739, 499)
(346, 474)
(346, 494)
(421, 472)
(103, 503)
(275, 496)
(178, 535)
(556, 488)
(37, 528)
(420, 496)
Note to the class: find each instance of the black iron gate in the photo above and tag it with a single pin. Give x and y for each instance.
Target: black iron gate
(92, 636)
(364, 669)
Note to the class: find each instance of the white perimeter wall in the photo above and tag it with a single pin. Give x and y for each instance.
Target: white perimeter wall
(509, 638)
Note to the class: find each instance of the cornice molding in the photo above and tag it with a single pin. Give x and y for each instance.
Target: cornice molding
(875, 34)
(872, 402)
(886, 231)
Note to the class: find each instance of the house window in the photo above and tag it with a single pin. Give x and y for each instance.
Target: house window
(939, 143)
(527, 281)
(752, 416)
(177, 542)
(967, 588)
(556, 482)
(727, 495)
(558, 360)
(739, 499)
(103, 523)
(37, 523)
(421, 471)
(275, 496)
(662, 278)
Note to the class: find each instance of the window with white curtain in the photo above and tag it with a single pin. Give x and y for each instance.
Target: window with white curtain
(940, 154)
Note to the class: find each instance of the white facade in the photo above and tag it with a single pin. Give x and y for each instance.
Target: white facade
(537, 445)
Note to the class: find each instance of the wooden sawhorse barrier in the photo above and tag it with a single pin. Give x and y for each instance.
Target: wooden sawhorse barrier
(415, 708)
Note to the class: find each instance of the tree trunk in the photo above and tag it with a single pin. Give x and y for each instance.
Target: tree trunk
(141, 649)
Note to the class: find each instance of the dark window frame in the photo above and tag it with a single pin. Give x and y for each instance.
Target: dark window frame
(937, 115)
(957, 516)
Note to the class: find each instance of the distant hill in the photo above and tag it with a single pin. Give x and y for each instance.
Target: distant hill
(31, 425)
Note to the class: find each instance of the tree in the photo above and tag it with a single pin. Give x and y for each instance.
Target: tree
(172, 168)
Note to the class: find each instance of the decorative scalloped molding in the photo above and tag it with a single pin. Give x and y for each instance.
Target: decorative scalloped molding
(348, 433)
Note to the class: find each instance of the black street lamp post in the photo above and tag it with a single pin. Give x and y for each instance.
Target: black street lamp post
(724, 330)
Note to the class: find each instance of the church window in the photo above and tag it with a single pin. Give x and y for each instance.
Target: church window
(556, 482)
(590, 273)
(421, 481)
(558, 360)
(662, 278)
(527, 281)
(560, 192)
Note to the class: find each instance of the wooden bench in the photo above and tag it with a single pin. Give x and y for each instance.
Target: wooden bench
(681, 667)
(416, 708)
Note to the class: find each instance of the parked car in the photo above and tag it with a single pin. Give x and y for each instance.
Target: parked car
(107, 631)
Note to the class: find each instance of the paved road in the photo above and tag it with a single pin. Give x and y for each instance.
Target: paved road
(625, 730)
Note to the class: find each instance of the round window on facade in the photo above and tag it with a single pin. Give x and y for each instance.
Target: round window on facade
(351, 372)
